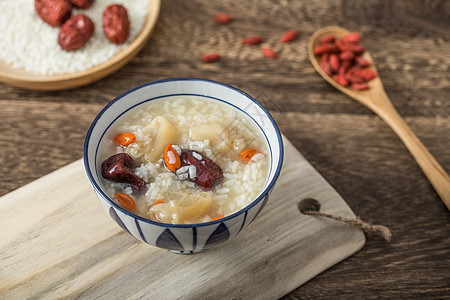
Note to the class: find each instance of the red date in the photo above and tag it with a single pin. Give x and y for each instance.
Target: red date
(119, 168)
(75, 32)
(53, 12)
(116, 24)
(207, 171)
(82, 3)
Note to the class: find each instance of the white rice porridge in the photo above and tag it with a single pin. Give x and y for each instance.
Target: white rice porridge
(211, 129)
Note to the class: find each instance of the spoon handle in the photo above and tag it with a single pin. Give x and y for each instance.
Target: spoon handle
(432, 169)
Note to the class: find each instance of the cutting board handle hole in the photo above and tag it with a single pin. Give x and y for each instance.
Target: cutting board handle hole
(308, 204)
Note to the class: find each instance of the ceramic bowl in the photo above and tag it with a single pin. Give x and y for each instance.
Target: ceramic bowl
(182, 238)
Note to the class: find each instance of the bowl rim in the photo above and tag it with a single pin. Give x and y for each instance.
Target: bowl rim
(261, 195)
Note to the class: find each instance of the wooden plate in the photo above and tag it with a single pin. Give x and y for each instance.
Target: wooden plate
(34, 81)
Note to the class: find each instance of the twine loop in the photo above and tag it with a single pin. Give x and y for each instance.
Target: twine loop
(311, 207)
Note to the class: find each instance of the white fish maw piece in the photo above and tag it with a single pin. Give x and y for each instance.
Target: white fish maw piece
(162, 133)
(207, 132)
(175, 214)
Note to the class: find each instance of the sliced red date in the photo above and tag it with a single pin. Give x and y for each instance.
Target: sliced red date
(119, 168)
(207, 172)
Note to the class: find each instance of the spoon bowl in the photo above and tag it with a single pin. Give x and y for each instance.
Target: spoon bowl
(376, 99)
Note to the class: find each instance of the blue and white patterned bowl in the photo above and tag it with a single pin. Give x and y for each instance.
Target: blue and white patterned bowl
(192, 237)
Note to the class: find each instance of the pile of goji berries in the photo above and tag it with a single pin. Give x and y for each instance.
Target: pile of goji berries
(224, 18)
(341, 59)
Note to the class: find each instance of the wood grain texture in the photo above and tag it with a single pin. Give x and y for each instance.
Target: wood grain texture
(356, 152)
(82, 253)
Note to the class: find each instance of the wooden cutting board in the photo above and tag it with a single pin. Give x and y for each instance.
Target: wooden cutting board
(58, 243)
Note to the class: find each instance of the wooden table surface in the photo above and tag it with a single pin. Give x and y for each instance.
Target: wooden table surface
(352, 148)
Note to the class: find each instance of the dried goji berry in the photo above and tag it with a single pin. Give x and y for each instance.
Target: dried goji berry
(360, 86)
(210, 57)
(252, 40)
(325, 48)
(345, 65)
(334, 62)
(361, 62)
(352, 37)
(354, 78)
(223, 18)
(289, 35)
(347, 55)
(328, 39)
(340, 58)
(325, 65)
(367, 74)
(125, 201)
(341, 80)
(325, 57)
(268, 52)
(356, 48)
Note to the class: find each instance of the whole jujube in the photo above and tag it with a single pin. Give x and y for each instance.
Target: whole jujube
(53, 12)
(82, 3)
(207, 171)
(119, 168)
(75, 32)
(116, 24)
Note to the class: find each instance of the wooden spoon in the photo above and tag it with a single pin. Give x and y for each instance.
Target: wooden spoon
(376, 99)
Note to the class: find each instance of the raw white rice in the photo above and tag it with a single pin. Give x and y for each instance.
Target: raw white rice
(28, 42)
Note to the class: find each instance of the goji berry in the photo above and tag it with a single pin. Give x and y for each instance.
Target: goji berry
(325, 57)
(352, 37)
(325, 65)
(334, 62)
(361, 62)
(289, 35)
(360, 86)
(341, 80)
(354, 78)
(223, 18)
(210, 57)
(367, 74)
(345, 65)
(341, 59)
(268, 52)
(347, 55)
(327, 39)
(325, 48)
(252, 40)
(356, 48)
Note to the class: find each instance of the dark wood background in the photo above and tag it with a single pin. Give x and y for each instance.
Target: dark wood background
(351, 147)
